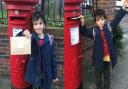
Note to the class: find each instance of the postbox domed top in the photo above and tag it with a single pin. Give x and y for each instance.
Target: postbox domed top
(20, 4)
(73, 1)
(25, 2)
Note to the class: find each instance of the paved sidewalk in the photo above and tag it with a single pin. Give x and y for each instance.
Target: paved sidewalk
(5, 83)
(119, 78)
(120, 73)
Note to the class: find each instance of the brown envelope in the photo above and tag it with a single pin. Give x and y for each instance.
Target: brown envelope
(20, 45)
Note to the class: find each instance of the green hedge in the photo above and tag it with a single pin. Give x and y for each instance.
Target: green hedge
(117, 37)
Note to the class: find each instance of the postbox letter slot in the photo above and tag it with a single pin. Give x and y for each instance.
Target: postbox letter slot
(18, 20)
(73, 18)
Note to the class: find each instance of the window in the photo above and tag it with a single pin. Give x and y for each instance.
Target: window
(118, 3)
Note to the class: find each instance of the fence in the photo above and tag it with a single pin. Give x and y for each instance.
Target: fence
(54, 12)
(87, 9)
(3, 13)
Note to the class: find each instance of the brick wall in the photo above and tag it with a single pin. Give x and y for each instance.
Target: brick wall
(107, 5)
(87, 44)
(59, 48)
(4, 53)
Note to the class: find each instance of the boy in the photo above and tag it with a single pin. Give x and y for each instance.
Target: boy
(41, 68)
(104, 53)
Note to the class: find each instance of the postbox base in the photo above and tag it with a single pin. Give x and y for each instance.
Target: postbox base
(12, 87)
(81, 86)
(18, 66)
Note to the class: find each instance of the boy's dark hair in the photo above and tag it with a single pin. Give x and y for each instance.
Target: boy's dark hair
(99, 13)
(38, 15)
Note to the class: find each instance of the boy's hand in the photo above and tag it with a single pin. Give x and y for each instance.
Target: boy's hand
(124, 3)
(27, 34)
(55, 80)
(81, 17)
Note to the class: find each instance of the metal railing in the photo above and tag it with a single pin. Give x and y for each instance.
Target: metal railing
(87, 9)
(3, 13)
(54, 12)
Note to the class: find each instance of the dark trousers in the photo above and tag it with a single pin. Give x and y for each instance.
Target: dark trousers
(103, 77)
(41, 86)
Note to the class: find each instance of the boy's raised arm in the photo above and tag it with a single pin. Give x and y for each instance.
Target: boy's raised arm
(83, 30)
(119, 15)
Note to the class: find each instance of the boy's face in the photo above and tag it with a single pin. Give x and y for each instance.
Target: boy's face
(100, 21)
(38, 26)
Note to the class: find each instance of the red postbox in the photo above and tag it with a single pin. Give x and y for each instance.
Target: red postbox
(19, 18)
(72, 52)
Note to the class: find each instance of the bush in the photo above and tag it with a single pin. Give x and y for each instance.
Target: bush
(117, 37)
